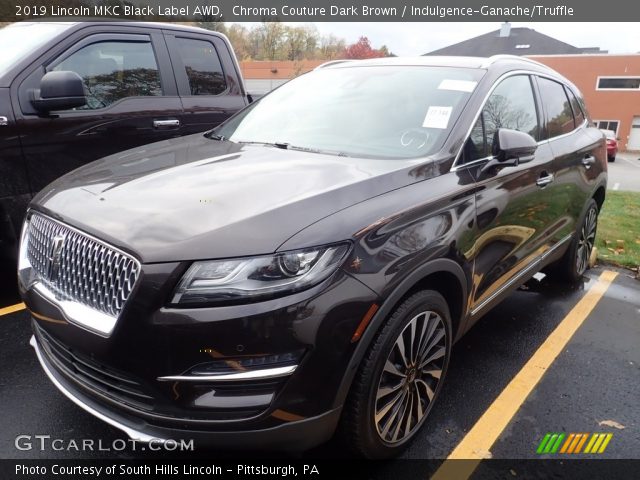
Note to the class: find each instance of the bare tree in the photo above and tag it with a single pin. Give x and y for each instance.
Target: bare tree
(272, 36)
(295, 41)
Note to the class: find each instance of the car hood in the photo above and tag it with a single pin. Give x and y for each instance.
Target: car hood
(196, 198)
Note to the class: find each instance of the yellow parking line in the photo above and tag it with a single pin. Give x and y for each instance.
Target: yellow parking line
(477, 443)
(11, 309)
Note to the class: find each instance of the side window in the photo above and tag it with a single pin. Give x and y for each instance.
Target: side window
(577, 109)
(511, 105)
(476, 146)
(202, 66)
(559, 115)
(113, 70)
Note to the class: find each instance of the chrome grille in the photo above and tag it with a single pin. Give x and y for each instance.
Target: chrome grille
(79, 268)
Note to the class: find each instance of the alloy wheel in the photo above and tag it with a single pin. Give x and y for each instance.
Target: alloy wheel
(586, 241)
(410, 377)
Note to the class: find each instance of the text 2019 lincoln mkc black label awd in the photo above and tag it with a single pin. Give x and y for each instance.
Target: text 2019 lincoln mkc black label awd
(304, 268)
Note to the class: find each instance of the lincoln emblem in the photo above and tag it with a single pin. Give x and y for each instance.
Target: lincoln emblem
(55, 256)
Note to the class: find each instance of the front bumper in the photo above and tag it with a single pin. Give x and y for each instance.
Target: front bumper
(300, 435)
(153, 348)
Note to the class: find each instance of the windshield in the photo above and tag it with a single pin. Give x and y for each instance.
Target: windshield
(369, 111)
(21, 38)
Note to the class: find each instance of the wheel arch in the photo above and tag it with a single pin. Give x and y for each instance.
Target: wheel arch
(443, 276)
(599, 196)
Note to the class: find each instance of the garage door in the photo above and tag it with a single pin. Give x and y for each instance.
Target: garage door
(634, 135)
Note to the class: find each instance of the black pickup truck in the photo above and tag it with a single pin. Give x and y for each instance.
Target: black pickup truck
(71, 93)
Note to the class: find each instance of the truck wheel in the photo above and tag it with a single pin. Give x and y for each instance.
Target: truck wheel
(400, 377)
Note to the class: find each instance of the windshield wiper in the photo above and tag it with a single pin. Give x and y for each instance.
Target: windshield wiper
(288, 146)
(282, 145)
(315, 150)
(215, 136)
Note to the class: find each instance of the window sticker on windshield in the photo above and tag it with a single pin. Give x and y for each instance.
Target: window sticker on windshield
(437, 117)
(458, 85)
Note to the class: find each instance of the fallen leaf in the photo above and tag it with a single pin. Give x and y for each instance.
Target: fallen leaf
(611, 423)
(512, 472)
(483, 453)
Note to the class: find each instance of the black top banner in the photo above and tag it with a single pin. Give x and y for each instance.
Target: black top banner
(325, 10)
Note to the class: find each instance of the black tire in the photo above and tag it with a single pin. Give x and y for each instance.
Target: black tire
(611, 159)
(575, 261)
(426, 313)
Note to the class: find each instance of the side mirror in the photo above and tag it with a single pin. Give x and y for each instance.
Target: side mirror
(511, 148)
(59, 91)
(514, 144)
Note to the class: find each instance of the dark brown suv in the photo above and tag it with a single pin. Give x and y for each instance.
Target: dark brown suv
(306, 266)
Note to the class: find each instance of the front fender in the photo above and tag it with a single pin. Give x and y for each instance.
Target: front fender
(389, 303)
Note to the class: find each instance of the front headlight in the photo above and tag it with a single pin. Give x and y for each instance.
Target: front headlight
(257, 278)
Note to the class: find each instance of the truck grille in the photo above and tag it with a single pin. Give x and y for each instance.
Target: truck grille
(79, 268)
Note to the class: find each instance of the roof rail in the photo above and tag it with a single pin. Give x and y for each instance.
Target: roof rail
(496, 58)
(332, 62)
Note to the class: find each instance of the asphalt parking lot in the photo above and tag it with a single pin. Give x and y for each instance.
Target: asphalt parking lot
(592, 386)
(624, 173)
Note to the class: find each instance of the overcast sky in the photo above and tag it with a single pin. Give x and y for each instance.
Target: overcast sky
(410, 38)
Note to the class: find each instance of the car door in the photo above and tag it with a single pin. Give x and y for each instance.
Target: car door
(208, 82)
(131, 101)
(515, 216)
(577, 151)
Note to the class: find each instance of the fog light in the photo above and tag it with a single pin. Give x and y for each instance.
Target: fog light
(247, 363)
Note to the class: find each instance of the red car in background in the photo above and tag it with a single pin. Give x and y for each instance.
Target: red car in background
(612, 145)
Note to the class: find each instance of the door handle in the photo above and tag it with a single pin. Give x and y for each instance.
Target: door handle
(166, 124)
(544, 181)
(588, 161)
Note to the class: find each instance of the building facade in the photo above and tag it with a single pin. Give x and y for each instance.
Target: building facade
(262, 76)
(510, 40)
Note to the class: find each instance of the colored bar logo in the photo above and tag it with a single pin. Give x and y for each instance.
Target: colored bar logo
(574, 442)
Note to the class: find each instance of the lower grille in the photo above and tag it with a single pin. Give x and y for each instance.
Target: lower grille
(118, 386)
(124, 391)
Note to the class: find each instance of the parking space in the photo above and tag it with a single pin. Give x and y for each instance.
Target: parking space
(624, 173)
(592, 386)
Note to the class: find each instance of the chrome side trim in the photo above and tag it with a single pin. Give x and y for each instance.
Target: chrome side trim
(535, 263)
(262, 374)
(457, 165)
(133, 434)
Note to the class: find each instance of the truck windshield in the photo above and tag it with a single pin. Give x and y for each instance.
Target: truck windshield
(377, 111)
(21, 38)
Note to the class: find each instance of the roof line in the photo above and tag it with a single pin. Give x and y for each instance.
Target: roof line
(496, 58)
(333, 62)
(584, 55)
